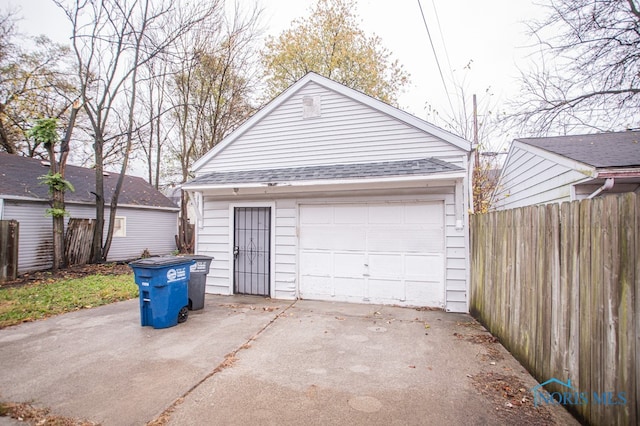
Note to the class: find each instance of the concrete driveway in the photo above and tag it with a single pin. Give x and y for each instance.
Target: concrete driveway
(246, 360)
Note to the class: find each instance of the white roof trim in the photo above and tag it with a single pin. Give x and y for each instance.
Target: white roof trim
(332, 182)
(346, 91)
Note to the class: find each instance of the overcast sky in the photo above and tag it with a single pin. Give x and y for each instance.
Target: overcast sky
(491, 33)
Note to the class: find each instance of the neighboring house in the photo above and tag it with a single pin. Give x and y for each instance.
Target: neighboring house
(329, 194)
(567, 168)
(145, 218)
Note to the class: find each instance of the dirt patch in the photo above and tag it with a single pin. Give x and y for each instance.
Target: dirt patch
(490, 343)
(77, 271)
(511, 399)
(479, 336)
(506, 393)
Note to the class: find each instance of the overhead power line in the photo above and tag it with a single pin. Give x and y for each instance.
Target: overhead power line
(444, 43)
(435, 55)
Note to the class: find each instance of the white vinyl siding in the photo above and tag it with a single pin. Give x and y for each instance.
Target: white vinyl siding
(286, 246)
(214, 239)
(149, 229)
(346, 132)
(529, 178)
(35, 246)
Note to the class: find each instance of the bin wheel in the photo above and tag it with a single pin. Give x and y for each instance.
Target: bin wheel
(183, 314)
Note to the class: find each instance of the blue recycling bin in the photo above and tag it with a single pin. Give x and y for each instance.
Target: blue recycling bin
(163, 286)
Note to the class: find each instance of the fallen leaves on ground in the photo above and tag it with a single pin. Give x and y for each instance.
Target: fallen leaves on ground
(511, 399)
(38, 416)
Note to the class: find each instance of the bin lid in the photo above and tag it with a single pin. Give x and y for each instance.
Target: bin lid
(160, 262)
(196, 257)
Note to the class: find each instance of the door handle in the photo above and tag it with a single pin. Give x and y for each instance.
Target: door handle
(236, 251)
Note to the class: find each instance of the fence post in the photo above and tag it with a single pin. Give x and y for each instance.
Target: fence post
(9, 235)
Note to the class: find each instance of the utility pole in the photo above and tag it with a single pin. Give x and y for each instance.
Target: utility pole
(475, 129)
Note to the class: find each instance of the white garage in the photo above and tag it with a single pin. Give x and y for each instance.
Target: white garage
(329, 194)
(370, 252)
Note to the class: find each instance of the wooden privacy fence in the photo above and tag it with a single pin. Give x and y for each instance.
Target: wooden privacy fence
(559, 285)
(9, 235)
(78, 241)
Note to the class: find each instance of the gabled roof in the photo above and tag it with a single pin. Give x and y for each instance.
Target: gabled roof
(19, 179)
(602, 150)
(337, 171)
(385, 108)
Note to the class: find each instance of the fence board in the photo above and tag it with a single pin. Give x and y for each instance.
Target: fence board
(636, 314)
(539, 295)
(611, 263)
(584, 254)
(558, 297)
(573, 283)
(597, 304)
(559, 285)
(626, 296)
(78, 241)
(516, 295)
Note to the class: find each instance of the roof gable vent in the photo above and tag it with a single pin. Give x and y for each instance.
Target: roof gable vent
(311, 106)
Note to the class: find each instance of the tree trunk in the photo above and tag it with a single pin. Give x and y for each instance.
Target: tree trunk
(96, 246)
(184, 241)
(58, 232)
(58, 221)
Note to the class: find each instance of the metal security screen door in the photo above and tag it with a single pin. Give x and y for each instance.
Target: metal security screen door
(252, 241)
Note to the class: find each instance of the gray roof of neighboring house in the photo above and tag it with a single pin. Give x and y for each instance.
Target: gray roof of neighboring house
(19, 178)
(619, 149)
(419, 167)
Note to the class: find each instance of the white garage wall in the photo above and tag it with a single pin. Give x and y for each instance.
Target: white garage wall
(214, 239)
(347, 131)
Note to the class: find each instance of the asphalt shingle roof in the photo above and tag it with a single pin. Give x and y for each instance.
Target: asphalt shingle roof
(19, 177)
(618, 149)
(419, 167)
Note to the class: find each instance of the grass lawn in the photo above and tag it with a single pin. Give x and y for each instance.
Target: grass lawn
(52, 297)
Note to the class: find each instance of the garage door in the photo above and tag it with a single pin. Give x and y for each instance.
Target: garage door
(389, 253)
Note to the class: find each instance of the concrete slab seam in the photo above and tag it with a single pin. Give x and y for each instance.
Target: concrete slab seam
(166, 414)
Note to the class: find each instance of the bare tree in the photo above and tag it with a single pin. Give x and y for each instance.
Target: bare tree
(157, 119)
(34, 83)
(210, 93)
(480, 123)
(586, 74)
(111, 41)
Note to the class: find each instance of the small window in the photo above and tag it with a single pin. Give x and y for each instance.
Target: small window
(120, 227)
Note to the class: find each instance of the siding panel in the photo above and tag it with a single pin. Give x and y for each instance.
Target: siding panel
(528, 179)
(347, 132)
